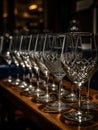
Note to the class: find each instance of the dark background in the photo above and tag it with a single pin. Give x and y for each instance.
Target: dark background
(55, 17)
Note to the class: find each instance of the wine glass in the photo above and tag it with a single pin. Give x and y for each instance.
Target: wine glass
(51, 57)
(79, 60)
(88, 104)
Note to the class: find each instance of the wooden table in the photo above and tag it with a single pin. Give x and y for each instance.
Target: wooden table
(43, 118)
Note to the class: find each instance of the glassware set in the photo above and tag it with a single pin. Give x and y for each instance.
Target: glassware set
(74, 55)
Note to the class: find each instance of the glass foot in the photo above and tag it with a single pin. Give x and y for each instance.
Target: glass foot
(78, 116)
(89, 105)
(30, 88)
(53, 87)
(58, 106)
(45, 98)
(16, 82)
(64, 92)
(37, 92)
(9, 80)
(70, 97)
(23, 85)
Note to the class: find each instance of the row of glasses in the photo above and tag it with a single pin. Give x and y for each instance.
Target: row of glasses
(74, 55)
(23, 57)
(27, 50)
(18, 60)
(26, 64)
(15, 40)
(29, 62)
(32, 48)
(47, 97)
(29, 58)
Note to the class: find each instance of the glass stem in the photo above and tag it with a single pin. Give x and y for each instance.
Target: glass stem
(79, 98)
(47, 90)
(9, 77)
(38, 82)
(59, 89)
(72, 88)
(17, 72)
(88, 93)
(31, 76)
(24, 74)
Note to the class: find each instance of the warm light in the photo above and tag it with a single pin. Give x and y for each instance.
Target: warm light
(25, 14)
(5, 15)
(32, 7)
(15, 11)
(40, 9)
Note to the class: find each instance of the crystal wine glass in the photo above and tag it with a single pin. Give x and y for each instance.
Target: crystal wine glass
(79, 60)
(88, 104)
(51, 57)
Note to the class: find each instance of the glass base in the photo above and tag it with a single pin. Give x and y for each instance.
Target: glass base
(37, 92)
(16, 82)
(58, 106)
(23, 85)
(45, 98)
(89, 105)
(70, 97)
(64, 92)
(30, 88)
(53, 87)
(9, 80)
(27, 91)
(78, 116)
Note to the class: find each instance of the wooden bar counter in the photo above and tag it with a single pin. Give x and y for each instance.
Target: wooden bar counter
(43, 118)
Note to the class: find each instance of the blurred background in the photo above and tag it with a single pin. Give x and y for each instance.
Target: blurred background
(47, 15)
